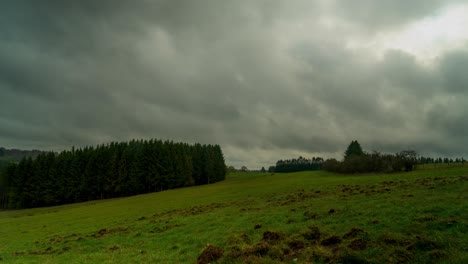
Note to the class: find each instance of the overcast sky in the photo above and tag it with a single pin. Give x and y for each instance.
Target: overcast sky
(265, 79)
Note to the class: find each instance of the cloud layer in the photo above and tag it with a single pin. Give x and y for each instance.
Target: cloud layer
(264, 79)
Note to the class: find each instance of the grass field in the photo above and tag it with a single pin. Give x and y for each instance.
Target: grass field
(309, 217)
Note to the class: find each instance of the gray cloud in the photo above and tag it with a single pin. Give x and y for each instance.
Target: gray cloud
(376, 15)
(265, 79)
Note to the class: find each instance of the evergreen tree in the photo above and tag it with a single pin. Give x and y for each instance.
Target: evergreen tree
(354, 149)
(112, 170)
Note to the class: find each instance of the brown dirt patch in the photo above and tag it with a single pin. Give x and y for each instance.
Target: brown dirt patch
(105, 231)
(296, 244)
(209, 254)
(201, 209)
(114, 248)
(331, 241)
(47, 251)
(422, 244)
(312, 233)
(354, 232)
(162, 229)
(257, 226)
(259, 249)
(294, 197)
(272, 236)
(358, 244)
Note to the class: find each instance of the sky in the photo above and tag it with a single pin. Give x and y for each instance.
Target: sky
(265, 79)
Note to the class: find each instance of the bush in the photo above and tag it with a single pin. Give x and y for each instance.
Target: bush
(374, 162)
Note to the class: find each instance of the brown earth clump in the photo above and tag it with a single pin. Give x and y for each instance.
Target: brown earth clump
(271, 236)
(313, 233)
(333, 240)
(259, 249)
(358, 244)
(353, 233)
(114, 248)
(209, 254)
(296, 245)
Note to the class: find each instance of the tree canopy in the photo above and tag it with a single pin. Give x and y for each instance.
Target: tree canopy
(354, 149)
(108, 171)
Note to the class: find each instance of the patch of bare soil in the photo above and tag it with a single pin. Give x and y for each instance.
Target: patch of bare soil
(104, 231)
(312, 233)
(272, 237)
(308, 247)
(209, 254)
(201, 209)
(354, 232)
(358, 244)
(294, 197)
(333, 240)
(47, 251)
(164, 228)
(63, 239)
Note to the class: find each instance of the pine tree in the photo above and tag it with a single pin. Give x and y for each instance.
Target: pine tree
(354, 149)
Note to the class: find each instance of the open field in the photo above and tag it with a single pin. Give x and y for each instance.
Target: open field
(417, 217)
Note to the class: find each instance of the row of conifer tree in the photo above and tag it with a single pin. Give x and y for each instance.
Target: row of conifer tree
(108, 171)
(299, 164)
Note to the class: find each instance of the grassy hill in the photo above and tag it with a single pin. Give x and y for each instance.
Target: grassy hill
(417, 217)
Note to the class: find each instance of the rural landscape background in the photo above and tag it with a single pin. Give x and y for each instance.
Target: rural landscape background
(249, 131)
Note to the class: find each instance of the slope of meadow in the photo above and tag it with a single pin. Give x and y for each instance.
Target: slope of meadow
(417, 217)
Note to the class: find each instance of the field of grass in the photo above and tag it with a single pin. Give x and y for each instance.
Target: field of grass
(309, 217)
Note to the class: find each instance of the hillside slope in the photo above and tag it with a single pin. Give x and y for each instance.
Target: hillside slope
(258, 218)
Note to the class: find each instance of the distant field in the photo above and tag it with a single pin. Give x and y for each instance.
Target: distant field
(310, 217)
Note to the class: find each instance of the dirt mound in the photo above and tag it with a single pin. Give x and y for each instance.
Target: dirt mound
(271, 236)
(259, 249)
(105, 231)
(209, 254)
(313, 233)
(296, 244)
(354, 232)
(333, 240)
(358, 244)
(422, 244)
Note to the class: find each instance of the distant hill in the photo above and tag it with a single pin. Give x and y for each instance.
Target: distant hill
(15, 155)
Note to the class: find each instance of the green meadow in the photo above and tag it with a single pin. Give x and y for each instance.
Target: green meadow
(307, 217)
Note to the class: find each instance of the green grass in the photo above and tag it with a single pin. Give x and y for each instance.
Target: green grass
(417, 217)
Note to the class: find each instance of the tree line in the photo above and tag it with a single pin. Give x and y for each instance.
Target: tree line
(358, 161)
(109, 171)
(299, 164)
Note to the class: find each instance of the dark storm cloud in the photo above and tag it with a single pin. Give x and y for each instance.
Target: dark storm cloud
(265, 79)
(453, 68)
